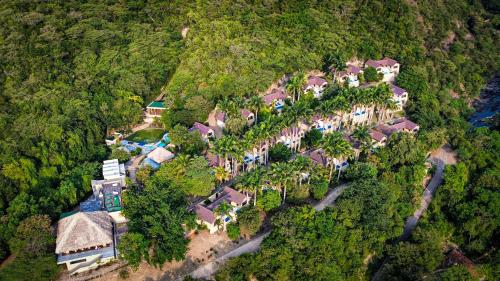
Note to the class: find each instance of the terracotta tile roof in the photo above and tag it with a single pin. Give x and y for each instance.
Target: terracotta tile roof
(315, 81)
(455, 257)
(318, 156)
(201, 128)
(398, 91)
(275, 94)
(204, 214)
(245, 112)
(404, 124)
(220, 116)
(350, 69)
(376, 135)
(383, 62)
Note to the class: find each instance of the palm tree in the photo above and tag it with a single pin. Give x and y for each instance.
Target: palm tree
(335, 147)
(255, 103)
(279, 176)
(221, 175)
(295, 85)
(253, 182)
(223, 210)
(362, 135)
(334, 62)
(303, 166)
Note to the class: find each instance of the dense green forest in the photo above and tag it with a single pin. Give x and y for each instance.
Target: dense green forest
(73, 71)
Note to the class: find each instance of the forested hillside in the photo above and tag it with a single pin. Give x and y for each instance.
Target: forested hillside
(73, 71)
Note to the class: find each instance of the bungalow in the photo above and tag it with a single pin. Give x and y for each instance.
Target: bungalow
(114, 139)
(276, 99)
(387, 66)
(315, 84)
(156, 157)
(205, 132)
(246, 114)
(378, 138)
(207, 214)
(400, 97)
(401, 125)
(155, 109)
(319, 157)
(351, 75)
(85, 240)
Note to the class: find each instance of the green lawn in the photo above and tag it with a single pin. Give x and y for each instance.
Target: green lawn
(147, 135)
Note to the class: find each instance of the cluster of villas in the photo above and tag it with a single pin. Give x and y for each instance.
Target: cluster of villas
(88, 236)
(293, 136)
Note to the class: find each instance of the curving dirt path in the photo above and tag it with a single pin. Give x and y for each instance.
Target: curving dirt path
(253, 245)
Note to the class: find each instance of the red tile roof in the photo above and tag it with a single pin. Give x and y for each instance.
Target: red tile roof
(245, 112)
(201, 128)
(220, 116)
(275, 94)
(315, 81)
(383, 62)
(398, 91)
(350, 69)
(204, 214)
(376, 135)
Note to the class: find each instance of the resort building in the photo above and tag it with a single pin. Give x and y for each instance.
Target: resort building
(276, 99)
(319, 157)
(316, 85)
(221, 118)
(349, 76)
(400, 97)
(359, 116)
(155, 109)
(158, 156)
(326, 124)
(85, 240)
(387, 66)
(205, 131)
(113, 170)
(209, 213)
(401, 125)
(114, 139)
(378, 138)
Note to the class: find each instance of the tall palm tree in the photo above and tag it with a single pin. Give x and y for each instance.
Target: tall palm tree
(295, 85)
(334, 62)
(335, 147)
(279, 176)
(362, 135)
(255, 103)
(221, 175)
(253, 182)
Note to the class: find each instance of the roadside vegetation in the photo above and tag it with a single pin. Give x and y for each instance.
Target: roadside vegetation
(73, 73)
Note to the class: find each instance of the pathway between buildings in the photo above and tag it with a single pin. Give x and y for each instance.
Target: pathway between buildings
(132, 165)
(208, 269)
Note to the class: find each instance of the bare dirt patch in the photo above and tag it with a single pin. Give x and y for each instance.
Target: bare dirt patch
(204, 247)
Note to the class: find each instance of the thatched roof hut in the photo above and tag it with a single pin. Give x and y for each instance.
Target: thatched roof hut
(84, 231)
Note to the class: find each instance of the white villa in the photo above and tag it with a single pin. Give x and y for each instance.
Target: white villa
(326, 124)
(207, 214)
(387, 66)
(205, 131)
(400, 97)
(221, 117)
(350, 75)
(85, 240)
(276, 99)
(316, 85)
(319, 157)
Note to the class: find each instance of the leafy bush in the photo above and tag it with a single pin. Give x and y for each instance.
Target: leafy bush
(271, 199)
(121, 154)
(371, 75)
(233, 231)
(319, 189)
(312, 138)
(280, 153)
(123, 274)
(298, 194)
(250, 220)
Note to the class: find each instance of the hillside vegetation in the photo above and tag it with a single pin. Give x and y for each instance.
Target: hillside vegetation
(71, 72)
